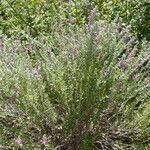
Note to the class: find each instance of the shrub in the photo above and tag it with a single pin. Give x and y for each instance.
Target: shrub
(39, 16)
(76, 95)
(42, 17)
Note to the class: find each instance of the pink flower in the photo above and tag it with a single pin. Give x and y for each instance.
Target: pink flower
(18, 141)
(44, 141)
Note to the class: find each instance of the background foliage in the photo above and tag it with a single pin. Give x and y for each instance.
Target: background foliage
(41, 17)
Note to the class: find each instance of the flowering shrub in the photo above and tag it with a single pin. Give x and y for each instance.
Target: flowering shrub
(76, 89)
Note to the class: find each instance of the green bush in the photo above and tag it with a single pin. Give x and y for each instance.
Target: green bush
(42, 17)
(78, 94)
(131, 12)
(36, 17)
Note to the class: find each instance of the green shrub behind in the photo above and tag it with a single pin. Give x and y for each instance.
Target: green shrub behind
(42, 17)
